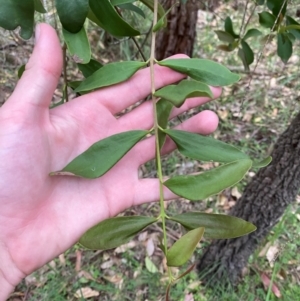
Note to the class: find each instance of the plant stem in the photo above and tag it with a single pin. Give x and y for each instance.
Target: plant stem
(156, 129)
(65, 72)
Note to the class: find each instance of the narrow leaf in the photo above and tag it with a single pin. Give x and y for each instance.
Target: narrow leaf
(295, 32)
(104, 14)
(89, 68)
(72, 14)
(229, 28)
(284, 47)
(160, 9)
(38, 6)
(119, 2)
(114, 232)
(204, 148)
(163, 108)
(150, 266)
(161, 22)
(201, 186)
(276, 6)
(206, 71)
(177, 94)
(242, 56)
(266, 19)
(224, 36)
(184, 247)
(262, 163)
(102, 155)
(217, 226)
(110, 74)
(21, 71)
(249, 56)
(252, 32)
(78, 45)
(17, 13)
(246, 54)
(133, 8)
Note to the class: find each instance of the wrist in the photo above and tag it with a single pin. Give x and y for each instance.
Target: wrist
(10, 275)
(6, 287)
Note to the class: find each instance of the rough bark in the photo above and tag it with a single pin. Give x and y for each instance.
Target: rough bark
(179, 36)
(262, 203)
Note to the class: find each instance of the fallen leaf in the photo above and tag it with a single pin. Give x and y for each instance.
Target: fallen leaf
(150, 247)
(267, 282)
(125, 247)
(272, 254)
(86, 292)
(78, 261)
(107, 264)
(189, 297)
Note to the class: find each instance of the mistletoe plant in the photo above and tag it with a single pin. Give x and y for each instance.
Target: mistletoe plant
(100, 157)
(274, 17)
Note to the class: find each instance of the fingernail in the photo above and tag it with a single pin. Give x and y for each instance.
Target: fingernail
(37, 33)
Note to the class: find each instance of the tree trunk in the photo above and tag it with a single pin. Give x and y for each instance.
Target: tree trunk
(262, 203)
(180, 34)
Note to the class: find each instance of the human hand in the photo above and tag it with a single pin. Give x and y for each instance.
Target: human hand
(42, 216)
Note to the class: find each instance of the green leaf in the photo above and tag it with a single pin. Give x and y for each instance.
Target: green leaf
(110, 74)
(177, 94)
(262, 163)
(38, 6)
(161, 22)
(284, 47)
(114, 232)
(89, 68)
(241, 55)
(21, 71)
(224, 36)
(133, 8)
(246, 55)
(183, 249)
(119, 2)
(227, 48)
(160, 9)
(252, 32)
(201, 186)
(295, 32)
(276, 6)
(204, 148)
(72, 14)
(74, 84)
(78, 45)
(150, 266)
(206, 71)
(163, 108)
(249, 55)
(104, 14)
(217, 226)
(17, 13)
(266, 19)
(102, 155)
(229, 28)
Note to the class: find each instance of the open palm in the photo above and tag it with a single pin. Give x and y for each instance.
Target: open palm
(42, 216)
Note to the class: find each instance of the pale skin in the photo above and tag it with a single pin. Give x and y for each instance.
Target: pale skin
(42, 216)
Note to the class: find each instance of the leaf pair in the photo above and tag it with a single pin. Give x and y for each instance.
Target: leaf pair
(116, 231)
(234, 41)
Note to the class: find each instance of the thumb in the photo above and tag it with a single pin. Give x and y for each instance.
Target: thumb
(35, 89)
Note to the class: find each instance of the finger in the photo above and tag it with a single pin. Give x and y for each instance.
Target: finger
(203, 123)
(119, 97)
(35, 89)
(142, 116)
(147, 191)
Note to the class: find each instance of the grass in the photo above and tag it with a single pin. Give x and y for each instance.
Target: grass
(251, 117)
